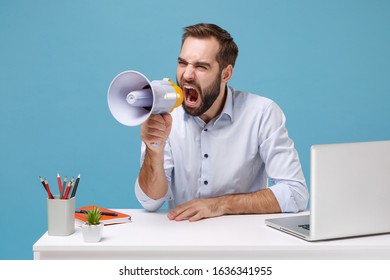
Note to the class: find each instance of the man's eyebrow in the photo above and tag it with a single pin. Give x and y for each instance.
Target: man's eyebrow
(179, 59)
(196, 63)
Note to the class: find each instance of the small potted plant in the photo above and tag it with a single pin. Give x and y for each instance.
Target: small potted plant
(92, 229)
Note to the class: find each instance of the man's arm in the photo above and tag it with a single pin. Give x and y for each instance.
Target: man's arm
(260, 202)
(151, 177)
(154, 133)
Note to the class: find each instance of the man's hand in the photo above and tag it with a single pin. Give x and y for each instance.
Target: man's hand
(155, 131)
(197, 209)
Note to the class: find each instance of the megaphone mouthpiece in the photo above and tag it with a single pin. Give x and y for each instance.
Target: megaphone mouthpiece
(140, 98)
(132, 98)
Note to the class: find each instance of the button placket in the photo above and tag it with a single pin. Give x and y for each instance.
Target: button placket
(205, 157)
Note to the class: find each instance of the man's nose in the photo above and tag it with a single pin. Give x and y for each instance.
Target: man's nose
(189, 73)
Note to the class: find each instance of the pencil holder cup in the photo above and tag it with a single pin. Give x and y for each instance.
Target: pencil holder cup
(60, 216)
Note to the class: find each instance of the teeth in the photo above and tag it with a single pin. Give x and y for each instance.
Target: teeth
(188, 87)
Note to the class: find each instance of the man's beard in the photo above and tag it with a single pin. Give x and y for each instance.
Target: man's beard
(209, 95)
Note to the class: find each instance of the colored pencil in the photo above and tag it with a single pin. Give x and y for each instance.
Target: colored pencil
(75, 186)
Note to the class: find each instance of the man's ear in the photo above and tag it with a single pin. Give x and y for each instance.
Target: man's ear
(227, 73)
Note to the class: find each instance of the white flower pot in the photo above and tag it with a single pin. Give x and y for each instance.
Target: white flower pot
(92, 233)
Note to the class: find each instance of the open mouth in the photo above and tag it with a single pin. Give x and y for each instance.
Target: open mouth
(191, 96)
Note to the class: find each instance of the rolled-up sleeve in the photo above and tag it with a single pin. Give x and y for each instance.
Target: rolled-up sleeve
(282, 162)
(148, 203)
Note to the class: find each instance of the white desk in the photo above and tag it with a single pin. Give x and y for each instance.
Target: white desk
(154, 236)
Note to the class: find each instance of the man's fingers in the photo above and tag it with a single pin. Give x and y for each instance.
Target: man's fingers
(156, 129)
(182, 212)
(191, 211)
(178, 215)
(196, 217)
(157, 123)
(167, 119)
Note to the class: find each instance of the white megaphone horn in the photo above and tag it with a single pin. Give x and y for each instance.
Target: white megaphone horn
(132, 98)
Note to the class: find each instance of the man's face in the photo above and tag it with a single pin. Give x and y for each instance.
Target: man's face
(198, 74)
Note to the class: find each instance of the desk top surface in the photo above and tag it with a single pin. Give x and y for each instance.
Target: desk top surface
(154, 230)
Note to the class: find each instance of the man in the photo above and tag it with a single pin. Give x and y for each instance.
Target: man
(216, 153)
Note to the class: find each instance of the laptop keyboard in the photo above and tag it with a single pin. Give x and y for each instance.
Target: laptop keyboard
(306, 226)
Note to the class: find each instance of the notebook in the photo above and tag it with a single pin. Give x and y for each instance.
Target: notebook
(113, 217)
(349, 193)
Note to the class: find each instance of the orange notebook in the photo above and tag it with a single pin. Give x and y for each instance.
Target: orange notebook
(105, 219)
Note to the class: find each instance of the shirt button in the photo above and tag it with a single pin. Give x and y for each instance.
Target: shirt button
(206, 182)
(205, 129)
(206, 155)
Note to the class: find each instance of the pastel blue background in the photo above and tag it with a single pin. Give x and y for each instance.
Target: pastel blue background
(326, 63)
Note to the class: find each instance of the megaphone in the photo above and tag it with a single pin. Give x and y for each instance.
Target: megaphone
(132, 98)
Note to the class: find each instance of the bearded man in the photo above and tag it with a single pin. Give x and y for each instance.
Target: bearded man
(223, 151)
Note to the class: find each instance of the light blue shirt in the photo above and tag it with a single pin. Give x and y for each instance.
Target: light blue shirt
(237, 152)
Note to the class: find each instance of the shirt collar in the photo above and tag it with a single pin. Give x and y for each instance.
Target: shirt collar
(228, 108)
(227, 111)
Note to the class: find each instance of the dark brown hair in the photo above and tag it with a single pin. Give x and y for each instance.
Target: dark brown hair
(228, 50)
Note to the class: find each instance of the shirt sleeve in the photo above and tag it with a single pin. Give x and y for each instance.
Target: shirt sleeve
(148, 203)
(282, 162)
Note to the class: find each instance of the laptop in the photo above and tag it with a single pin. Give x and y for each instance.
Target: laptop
(349, 193)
